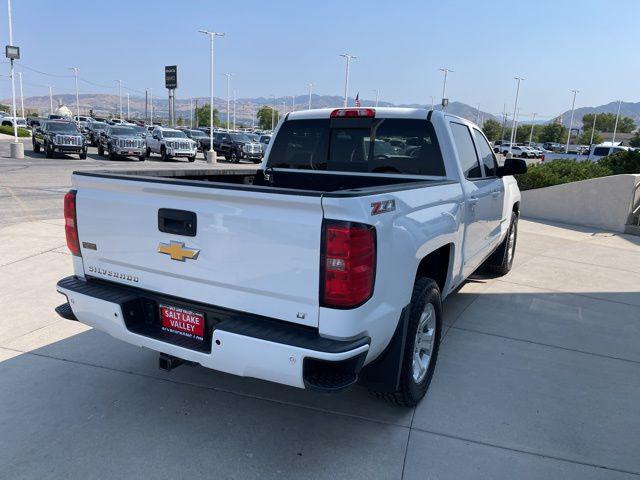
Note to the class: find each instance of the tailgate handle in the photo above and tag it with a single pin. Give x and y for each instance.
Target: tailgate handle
(178, 222)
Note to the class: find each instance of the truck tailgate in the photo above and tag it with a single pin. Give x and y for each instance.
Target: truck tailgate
(257, 252)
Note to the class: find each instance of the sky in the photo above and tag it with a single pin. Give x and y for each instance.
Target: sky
(278, 47)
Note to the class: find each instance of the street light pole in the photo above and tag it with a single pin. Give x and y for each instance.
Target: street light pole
(515, 111)
(446, 71)
(573, 105)
(348, 57)
(228, 75)
(273, 112)
(128, 108)
(533, 120)
(21, 94)
(75, 74)
(211, 157)
(293, 103)
(478, 115)
(119, 98)
(17, 148)
(310, 90)
(615, 126)
(234, 110)
(151, 106)
(377, 96)
(51, 99)
(432, 103)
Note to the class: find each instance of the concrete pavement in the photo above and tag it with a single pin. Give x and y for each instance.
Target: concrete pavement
(538, 377)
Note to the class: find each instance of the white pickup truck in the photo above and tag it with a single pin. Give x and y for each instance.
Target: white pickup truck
(326, 266)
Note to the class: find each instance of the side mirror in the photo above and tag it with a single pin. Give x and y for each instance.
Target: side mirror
(512, 166)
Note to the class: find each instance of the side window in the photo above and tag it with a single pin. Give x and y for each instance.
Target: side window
(486, 155)
(466, 151)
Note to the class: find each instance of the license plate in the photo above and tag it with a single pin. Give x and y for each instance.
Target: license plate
(181, 321)
(130, 152)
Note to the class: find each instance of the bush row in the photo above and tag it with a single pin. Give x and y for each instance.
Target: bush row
(568, 170)
(22, 132)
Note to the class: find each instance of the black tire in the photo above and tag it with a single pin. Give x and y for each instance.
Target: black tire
(48, 151)
(100, 151)
(83, 156)
(36, 147)
(148, 152)
(501, 260)
(112, 155)
(142, 158)
(233, 157)
(192, 159)
(163, 154)
(410, 391)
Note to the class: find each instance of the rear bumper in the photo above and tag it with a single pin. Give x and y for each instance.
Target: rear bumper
(235, 342)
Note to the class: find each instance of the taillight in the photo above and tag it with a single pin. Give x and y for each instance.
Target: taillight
(353, 113)
(348, 264)
(71, 223)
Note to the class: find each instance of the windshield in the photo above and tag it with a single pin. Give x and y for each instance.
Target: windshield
(197, 133)
(239, 137)
(123, 131)
(253, 137)
(98, 126)
(358, 145)
(173, 134)
(62, 127)
(139, 130)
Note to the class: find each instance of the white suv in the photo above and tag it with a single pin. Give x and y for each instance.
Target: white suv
(168, 143)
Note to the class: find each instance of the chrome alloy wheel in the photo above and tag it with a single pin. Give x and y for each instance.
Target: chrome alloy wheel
(511, 244)
(423, 344)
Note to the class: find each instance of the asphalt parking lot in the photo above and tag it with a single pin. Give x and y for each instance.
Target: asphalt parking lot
(538, 375)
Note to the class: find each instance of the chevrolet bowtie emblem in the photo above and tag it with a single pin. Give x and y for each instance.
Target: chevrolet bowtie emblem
(177, 251)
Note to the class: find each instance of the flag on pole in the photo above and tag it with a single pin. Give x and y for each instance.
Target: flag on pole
(358, 99)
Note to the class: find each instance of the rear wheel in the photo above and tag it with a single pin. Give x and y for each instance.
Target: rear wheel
(83, 156)
(163, 154)
(192, 159)
(233, 157)
(501, 260)
(142, 158)
(422, 345)
(112, 154)
(148, 152)
(48, 150)
(36, 146)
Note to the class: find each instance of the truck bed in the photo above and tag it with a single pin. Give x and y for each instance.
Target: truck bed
(312, 183)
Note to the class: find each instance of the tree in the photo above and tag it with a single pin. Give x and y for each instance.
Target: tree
(605, 122)
(5, 108)
(203, 114)
(265, 119)
(553, 132)
(492, 129)
(635, 140)
(585, 138)
(180, 121)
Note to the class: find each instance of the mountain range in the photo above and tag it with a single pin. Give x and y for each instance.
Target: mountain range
(627, 109)
(246, 108)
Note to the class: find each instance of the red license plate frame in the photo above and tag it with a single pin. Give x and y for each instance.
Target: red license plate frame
(182, 321)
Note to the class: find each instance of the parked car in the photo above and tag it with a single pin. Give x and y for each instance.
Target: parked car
(59, 136)
(199, 137)
(517, 151)
(264, 142)
(21, 122)
(95, 128)
(236, 146)
(600, 151)
(327, 265)
(168, 143)
(121, 141)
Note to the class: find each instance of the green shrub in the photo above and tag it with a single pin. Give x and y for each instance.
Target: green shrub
(622, 162)
(561, 171)
(8, 130)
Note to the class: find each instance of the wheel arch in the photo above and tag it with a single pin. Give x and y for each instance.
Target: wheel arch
(438, 265)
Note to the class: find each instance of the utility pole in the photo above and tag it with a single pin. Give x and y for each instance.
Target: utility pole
(310, 90)
(515, 131)
(515, 111)
(151, 105)
(211, 156)
(128, 108)
(377, 96)
(228, 75)
(293, 103)
(348, 57)
(615, 126)
(532, 124)
(120, 97)
(21, 94)
(234, 110)
(593, 129)
(51, 99)
(445, 70)
(191, 113)
(432, 103)
(573, 105)
(146, 105)
(75, 73)
(478, 115)
(273, 112)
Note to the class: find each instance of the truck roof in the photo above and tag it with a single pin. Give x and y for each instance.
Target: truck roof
(380, 112)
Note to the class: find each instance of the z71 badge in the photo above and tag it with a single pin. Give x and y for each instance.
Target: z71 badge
(383, 206)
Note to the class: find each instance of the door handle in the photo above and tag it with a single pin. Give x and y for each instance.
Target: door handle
(473, 201)
(496, 192)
